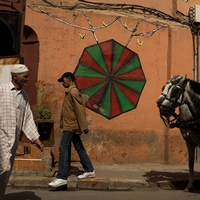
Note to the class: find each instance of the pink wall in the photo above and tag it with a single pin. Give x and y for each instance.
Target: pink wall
(135, 136)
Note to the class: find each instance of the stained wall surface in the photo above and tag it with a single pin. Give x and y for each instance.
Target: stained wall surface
(135, 136)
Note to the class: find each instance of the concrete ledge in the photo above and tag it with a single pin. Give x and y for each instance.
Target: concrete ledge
(93, 183)
(72, 182)
(167, 185)
(31, 181)
(126, 184)
(11, 181)
(112, 177)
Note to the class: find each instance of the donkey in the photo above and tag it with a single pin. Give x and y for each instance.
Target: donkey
(185, 94)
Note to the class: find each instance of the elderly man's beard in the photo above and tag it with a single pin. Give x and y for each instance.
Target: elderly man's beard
(21, 82)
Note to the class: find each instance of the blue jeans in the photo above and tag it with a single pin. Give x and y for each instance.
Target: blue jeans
(63, 154)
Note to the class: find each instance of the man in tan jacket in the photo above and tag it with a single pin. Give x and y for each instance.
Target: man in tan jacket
(73, 123)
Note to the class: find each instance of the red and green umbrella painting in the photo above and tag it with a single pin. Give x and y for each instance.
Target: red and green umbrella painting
(111, 77)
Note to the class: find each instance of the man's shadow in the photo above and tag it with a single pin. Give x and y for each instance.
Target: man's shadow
(21, 196)
(177, 180)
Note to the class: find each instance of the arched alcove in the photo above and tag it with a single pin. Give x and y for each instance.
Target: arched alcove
(30, 53)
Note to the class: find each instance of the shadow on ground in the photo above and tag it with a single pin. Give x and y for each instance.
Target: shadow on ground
(178, 180)
(57, 189)
(21, 196)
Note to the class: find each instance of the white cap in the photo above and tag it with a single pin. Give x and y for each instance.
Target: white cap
(19, 69)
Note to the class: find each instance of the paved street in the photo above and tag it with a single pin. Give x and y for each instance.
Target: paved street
(143, 194)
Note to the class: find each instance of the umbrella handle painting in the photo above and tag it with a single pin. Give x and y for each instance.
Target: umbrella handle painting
(110, 78)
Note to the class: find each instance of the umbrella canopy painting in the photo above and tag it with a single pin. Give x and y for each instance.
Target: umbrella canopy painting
(110, 78)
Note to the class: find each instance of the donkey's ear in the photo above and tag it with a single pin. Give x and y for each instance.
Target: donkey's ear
(186, 76)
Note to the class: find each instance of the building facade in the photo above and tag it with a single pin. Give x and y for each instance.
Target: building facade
(54, 37)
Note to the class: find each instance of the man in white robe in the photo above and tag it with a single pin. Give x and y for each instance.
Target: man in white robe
(15, 117)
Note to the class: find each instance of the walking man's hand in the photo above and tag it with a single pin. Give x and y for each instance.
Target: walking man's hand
(40, 146)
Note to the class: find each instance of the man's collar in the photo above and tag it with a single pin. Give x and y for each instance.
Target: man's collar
(12, 87)
(72, 86)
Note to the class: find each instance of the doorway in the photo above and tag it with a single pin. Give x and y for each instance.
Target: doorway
(30, 53)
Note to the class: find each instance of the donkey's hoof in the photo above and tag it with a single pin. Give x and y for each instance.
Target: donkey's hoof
(188, 189)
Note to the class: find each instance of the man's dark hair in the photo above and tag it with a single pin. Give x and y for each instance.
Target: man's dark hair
(67, 75)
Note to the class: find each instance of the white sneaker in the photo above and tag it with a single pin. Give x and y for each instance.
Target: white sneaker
(57, 182)
(87, 175)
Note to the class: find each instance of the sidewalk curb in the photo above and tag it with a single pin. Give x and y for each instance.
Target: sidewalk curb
(167, 185)
(112, 177)
(91, 183)
(97, 183)
(126, 184)
(29, 181)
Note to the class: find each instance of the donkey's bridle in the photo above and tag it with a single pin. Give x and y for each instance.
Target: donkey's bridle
(171, 112)
(191, 124)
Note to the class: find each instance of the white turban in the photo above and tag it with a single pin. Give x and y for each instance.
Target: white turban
(16, 69)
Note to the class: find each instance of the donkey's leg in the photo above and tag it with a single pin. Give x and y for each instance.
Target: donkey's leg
(191, 150)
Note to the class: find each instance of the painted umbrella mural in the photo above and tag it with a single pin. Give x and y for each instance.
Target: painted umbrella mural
(111, 78)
